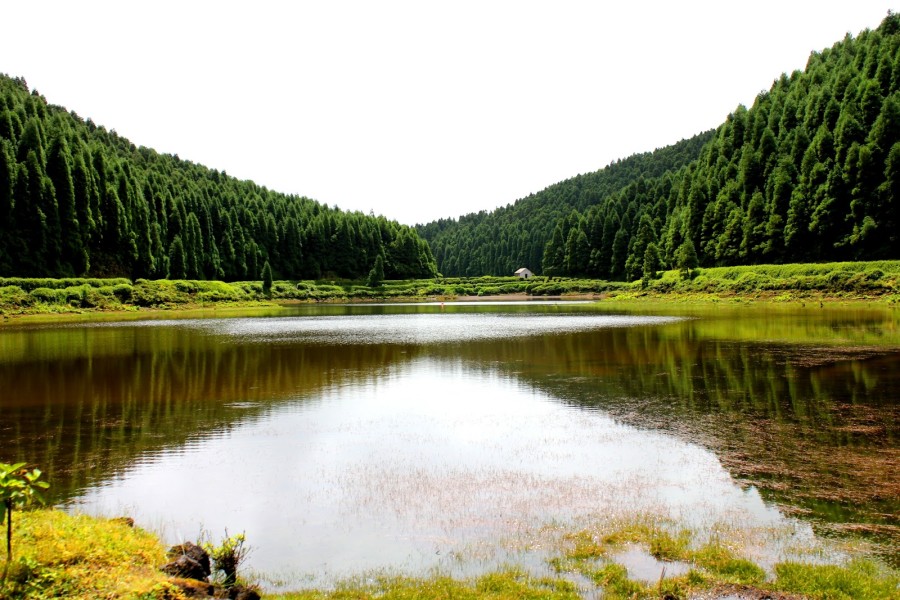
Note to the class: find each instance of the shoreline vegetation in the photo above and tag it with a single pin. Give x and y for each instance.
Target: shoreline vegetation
(79, 556)
(847, 281)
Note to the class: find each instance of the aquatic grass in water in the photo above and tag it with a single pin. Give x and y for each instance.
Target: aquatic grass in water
(692, 565)
(858, 580)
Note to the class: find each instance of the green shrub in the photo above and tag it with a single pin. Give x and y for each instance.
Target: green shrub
(12, 296)
(48, 296)
(188, 287)
(212, 296)
(548, 289)
(155, 293)
(751, 281)
(30, 283)
(123, 292)
(72, 295)
(488, 291)
(91, 297)
(434, 290)
(218, 291)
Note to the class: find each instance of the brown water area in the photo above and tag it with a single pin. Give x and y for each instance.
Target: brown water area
(408, 437)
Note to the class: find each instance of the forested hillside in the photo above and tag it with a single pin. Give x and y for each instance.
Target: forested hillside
(499, 242)
(76, 199)
(811, 172)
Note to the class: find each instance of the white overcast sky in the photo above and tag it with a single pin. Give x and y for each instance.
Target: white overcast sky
(413, 109)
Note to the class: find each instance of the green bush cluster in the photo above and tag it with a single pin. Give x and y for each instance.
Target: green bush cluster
(31, 283)
(879, 277)
(162, 292)
(15, 297)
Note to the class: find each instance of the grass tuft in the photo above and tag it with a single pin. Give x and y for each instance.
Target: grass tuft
(724, 565)
(858, 580)
(665, 546)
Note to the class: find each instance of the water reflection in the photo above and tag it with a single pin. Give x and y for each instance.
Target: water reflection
(85, 403)
(419, 434)
(814, 426)
(432, 465)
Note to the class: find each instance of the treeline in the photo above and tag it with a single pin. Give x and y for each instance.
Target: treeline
(514, 236)
(78, 200)
(810, 173)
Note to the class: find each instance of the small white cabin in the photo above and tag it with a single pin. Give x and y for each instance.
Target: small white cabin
(524, 273)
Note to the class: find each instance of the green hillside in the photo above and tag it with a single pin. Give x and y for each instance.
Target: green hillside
(513, 236)
(79, 200)
(810, 172)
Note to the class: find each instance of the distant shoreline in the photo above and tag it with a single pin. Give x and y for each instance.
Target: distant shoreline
(225, 309)
(873, 282)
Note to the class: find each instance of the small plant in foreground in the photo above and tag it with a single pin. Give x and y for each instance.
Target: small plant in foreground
(19, 487)
(228, 556)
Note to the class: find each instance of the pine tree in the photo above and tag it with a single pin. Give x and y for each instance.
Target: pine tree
(177, 260)
(267, 279)
(74, 259)
(651, 263)
(7, 185)
(686, 258)
(376, 275)
(555, 252)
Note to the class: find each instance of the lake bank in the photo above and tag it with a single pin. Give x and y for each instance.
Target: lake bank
(83, 557)
(187, 307)
(825, 283)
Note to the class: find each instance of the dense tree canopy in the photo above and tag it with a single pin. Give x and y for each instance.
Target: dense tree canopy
(514, 236)
(811, 172)
(76, 199)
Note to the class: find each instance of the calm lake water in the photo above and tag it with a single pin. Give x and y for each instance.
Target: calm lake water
(344, 439)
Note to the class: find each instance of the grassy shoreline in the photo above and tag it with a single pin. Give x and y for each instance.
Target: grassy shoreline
(77, 556)
(833, 282)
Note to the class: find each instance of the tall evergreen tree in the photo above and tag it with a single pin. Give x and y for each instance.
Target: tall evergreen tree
(376, 275)
(178, 267)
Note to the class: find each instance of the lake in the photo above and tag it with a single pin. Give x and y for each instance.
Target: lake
(349, 438)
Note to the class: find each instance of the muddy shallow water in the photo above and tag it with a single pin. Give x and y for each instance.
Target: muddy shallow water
(345, 439)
